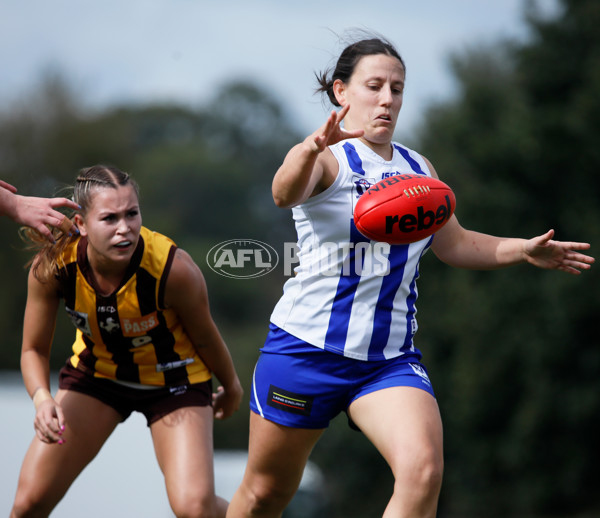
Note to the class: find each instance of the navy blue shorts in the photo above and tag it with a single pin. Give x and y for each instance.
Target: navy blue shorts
(154, 403)
(298, 385)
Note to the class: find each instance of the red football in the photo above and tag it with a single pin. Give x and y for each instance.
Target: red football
(404, 209)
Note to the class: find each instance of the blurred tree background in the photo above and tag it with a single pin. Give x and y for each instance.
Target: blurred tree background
(514, 354)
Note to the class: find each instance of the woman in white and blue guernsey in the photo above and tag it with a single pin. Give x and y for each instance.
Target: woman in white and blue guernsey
(341, 336)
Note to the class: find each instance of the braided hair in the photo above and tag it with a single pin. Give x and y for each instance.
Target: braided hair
(45, 261)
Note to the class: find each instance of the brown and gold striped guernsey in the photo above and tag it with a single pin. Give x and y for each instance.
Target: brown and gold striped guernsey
(129, 335)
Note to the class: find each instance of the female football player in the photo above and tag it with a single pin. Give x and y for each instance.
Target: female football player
(145, 342)
(344, 342)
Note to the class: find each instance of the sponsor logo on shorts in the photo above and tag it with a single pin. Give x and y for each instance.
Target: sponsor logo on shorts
(289, 401)
(179, 390)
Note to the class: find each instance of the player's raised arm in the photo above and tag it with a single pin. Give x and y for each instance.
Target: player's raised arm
(306, 169)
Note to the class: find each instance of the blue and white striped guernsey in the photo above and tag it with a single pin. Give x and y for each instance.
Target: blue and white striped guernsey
(350, 295)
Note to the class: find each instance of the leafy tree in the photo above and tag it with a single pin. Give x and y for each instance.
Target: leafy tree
(515, 353)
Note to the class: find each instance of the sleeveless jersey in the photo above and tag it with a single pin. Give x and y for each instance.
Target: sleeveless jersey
(129, 335)
(350, 295)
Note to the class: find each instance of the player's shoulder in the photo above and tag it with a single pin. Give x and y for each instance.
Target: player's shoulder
(184, 281)
(421, 160)
(152, 236)
(183, 268)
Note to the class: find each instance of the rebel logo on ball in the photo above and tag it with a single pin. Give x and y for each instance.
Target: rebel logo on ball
(423, 220)
(404, 208)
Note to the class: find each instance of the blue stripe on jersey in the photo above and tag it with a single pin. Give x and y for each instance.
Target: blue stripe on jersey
(383, 310)
(353, 159)
(414, 165)
(411, 299)
(382, 318)
(339, 319)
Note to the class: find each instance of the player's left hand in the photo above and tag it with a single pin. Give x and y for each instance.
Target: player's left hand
(543, 252)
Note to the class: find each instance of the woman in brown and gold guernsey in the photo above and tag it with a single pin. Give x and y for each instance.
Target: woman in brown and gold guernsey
(145, 341)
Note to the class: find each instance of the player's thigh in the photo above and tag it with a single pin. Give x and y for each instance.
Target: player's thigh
(183, 443)
(51, 468)
(277, 455)
(403, 423)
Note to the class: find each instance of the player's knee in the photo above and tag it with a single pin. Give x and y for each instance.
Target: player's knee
(265, 497)
(431, 475)
(421, 469)
(425, 474)
(189, 504)
(26, 506)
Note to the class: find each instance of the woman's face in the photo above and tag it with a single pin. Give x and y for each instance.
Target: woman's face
(112, 225)
(374, 93)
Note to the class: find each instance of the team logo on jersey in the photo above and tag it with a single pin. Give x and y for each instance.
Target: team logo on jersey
(289, 401)
(361, 185)
(110, 325)
(80, 320)
(138, 326)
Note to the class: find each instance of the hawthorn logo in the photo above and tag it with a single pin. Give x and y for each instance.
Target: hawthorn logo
(242, 258)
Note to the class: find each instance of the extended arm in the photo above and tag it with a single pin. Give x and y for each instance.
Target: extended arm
(34, 212)
(464, 248)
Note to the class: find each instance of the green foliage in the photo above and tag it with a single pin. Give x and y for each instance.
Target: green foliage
(514, 354)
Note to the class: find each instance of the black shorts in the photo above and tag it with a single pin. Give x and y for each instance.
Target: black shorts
(154, 403)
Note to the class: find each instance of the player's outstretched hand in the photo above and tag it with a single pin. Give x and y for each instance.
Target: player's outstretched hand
(543, 252)
(38, 213)
(331, 132)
